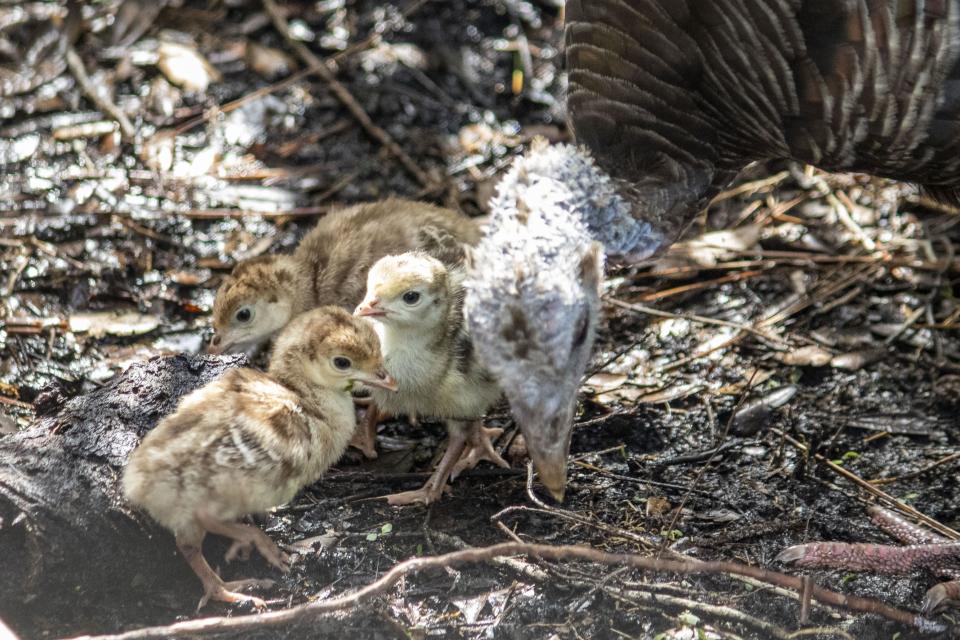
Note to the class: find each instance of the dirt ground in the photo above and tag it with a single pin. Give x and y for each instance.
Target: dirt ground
(806, 312)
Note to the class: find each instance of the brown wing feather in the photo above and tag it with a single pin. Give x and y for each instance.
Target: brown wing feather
(675, 96)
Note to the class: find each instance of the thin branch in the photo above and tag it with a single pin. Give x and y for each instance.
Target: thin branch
(639, 308)
(319, 67)
(919, 472)
(311, 610)
(869, 488)
(101, 101)
(291, 79)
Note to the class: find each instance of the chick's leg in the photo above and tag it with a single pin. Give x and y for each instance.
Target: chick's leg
(214, 588)
(365, 436)
(479, 447)
(437, 482)
(246, 536)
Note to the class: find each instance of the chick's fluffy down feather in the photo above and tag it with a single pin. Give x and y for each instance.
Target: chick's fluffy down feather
(240, 445)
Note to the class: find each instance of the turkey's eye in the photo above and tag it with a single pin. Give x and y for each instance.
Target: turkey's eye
(244, 314)
(411, 297)
(341, 363)
(582, 326)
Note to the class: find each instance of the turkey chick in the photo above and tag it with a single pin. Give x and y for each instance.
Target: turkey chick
(416, 304)
(250, 440)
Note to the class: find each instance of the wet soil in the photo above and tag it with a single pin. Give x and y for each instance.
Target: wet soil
(111, 251)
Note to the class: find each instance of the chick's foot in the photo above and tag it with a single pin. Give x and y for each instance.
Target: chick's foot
(245, 537)
(365, 437)
(479, 447)
(436, 484)
(214, 588)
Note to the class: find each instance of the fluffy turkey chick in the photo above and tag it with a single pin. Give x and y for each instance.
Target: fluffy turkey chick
(250, 440)
(533, 297)
(329, 266)
(416, 304)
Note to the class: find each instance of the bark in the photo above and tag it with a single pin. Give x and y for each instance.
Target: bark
(65, 531)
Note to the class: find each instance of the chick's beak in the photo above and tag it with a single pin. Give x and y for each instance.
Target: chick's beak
(220, 346)
(548, 442)
(380, 379)
(370, 308)
(215, 347)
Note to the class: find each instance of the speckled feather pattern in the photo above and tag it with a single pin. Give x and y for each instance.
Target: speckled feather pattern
(339, 251)
(563, 182)
(240, 445)
(526, 296)
(250, 440)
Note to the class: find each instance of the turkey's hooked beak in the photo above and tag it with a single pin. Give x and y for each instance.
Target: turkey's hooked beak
(370, 308)
(548, 442)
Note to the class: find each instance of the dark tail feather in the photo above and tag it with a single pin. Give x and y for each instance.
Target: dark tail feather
(942, 193)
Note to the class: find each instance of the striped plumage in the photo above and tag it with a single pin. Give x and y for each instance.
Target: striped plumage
(250, 440)
(329, 266)
(674, 98)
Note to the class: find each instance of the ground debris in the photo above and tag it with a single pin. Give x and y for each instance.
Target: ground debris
(804, 308)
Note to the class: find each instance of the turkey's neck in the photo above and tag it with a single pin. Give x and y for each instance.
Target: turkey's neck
(667, 203)
(647, 209)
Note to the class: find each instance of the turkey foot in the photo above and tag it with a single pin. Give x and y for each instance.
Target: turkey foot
(213, 587)
(365, 437)
(925, 550)
(246, 536)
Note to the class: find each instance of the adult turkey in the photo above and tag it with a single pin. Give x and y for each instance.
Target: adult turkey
(672, 98)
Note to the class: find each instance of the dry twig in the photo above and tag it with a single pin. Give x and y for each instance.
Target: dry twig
(319, 67)
(101, 101)
(870, 488)
(303, 612)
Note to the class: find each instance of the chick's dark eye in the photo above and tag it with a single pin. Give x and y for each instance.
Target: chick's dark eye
(411, 297)
(244, 315)
(341, 363)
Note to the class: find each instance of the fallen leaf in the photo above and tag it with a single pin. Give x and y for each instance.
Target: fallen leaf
(471, 608)
(190, 277)
(856, 360)
(710, 248)
(185, 67)
(601, 382)
(268, 62)
(756, 412)
(85, 130)
(668, 394)
(324, 540)
(114, 323)
(750, 378)
(657, 506)
(809, 356)
(7, 425)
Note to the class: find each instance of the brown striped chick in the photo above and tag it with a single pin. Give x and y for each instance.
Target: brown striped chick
(416, 304)
(250, 440)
